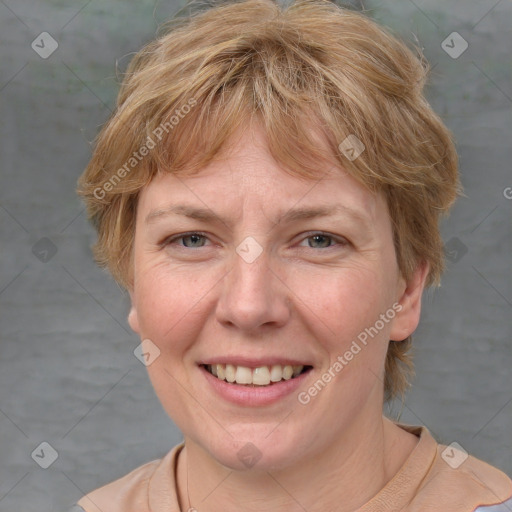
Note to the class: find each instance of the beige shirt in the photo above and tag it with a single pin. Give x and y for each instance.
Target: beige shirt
(434, 478)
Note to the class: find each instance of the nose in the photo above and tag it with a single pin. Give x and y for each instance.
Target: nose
(253, 295)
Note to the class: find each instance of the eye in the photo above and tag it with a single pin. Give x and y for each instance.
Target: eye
(323, 241)
(197, 240)
(191, 240)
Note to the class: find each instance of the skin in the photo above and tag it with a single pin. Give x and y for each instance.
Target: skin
(303, 297)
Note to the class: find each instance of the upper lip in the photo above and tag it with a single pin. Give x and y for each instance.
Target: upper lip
(252, 362)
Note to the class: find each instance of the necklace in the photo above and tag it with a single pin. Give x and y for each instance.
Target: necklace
(190, 509)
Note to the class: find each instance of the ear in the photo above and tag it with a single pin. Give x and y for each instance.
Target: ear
(133, 318)
(407, 318)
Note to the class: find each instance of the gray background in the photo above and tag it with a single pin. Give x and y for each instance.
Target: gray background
(68, 375)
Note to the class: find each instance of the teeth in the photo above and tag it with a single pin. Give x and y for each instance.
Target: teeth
(276, 373)
(243, 375)
(230, 373)
(261, 376)
(297, 370)
(287, 372)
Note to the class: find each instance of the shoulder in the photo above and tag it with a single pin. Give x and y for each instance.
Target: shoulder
(130, 492)
(462, 482)
(440, 477)
(506, 506)
(131, 488)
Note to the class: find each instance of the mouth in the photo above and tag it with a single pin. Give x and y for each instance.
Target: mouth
(261, 376)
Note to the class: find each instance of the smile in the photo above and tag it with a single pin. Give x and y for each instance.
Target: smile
(260, 376)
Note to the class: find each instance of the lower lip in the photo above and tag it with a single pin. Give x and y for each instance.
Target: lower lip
(253, 396)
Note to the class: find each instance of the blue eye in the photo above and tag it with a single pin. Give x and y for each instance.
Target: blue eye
(324, 240)
(197, 240)
(321, 239)
(194, 238)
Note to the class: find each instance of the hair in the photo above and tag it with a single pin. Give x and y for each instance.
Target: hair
(312, 65)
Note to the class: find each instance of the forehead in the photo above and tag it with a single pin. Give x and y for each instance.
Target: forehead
(244, 174)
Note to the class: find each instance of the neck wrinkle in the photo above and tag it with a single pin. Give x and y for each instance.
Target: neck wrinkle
(365, 470)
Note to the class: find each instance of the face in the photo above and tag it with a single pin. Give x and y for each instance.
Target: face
(267, 274)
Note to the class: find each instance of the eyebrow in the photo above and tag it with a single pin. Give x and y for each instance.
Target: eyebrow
(294, 214)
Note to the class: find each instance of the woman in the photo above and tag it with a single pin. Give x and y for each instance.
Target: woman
(269, 191)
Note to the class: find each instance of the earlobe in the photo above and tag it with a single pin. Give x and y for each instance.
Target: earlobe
(407, 319)
(133, 318)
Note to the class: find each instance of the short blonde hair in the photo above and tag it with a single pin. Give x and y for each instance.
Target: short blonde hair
(311, 64)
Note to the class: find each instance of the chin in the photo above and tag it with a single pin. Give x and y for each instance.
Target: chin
(255, 452)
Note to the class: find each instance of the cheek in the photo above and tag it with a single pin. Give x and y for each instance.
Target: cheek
(168, 306)
(343, 302)
(343, 308)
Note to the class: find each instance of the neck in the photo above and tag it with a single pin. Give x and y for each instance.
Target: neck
(343, 477)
